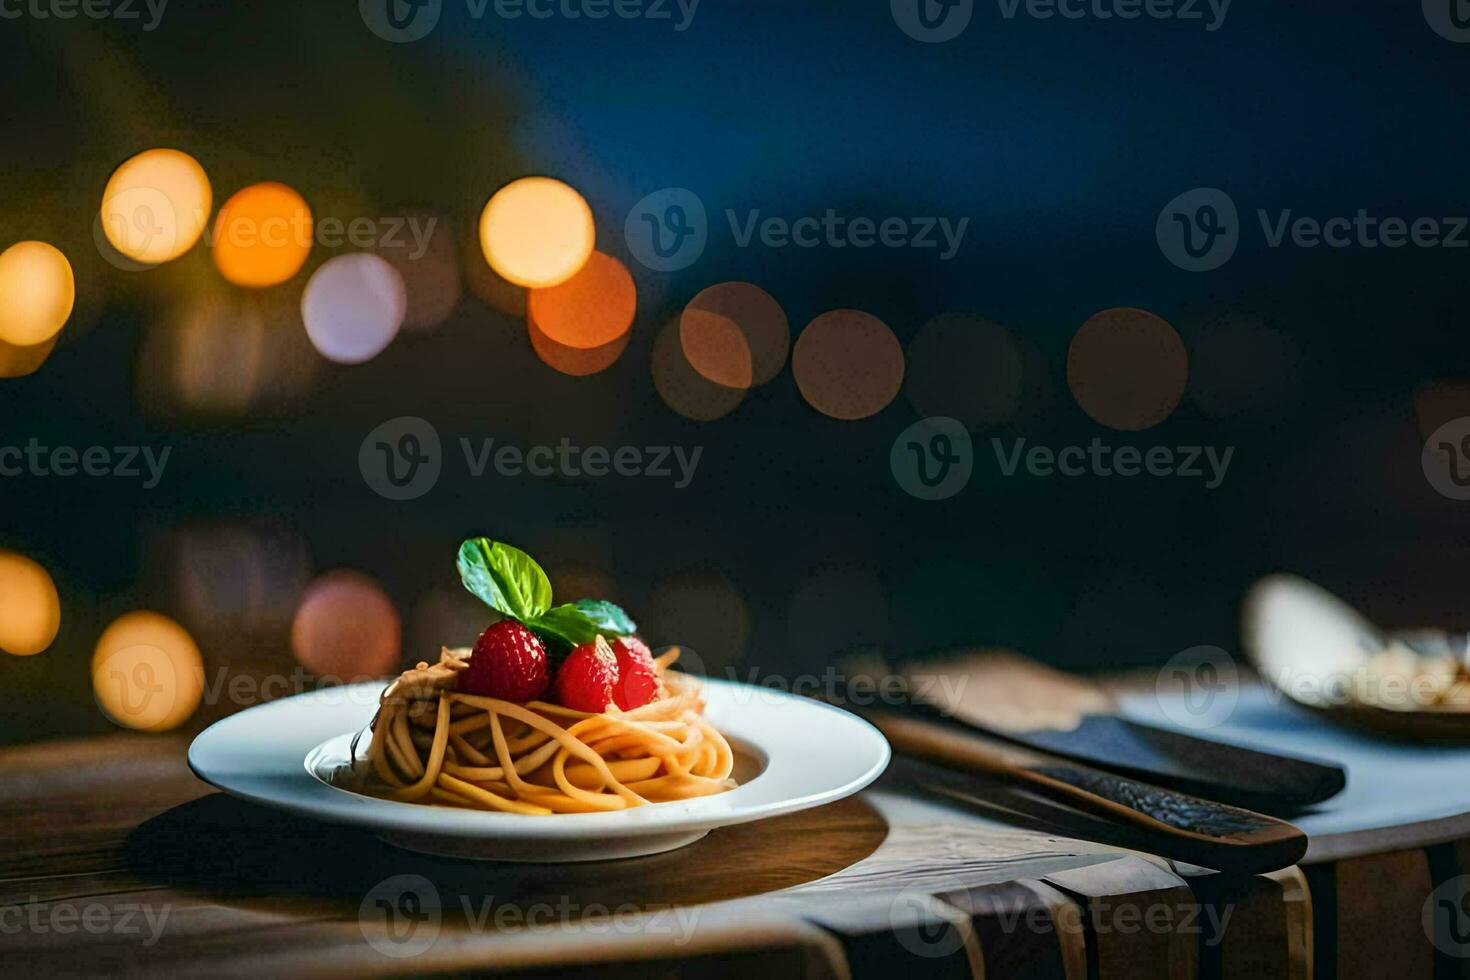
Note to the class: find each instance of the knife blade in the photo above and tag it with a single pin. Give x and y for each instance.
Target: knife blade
(1008, 697)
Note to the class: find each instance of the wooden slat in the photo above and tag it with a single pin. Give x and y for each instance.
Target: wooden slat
(1250, 928)
(1131, 908)
(1025, 928)
(1367, 917)
(911, 932)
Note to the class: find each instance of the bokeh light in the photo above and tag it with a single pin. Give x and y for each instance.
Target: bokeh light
(848, 364)
(537, 232)
(353, 307)
(18, 362)
(966, 368)
(263, 235)
(37, 293)
(156, 205)
(147, 672)
(575, 361)
(684, 389)
(425, 256)
(223, 352)
(735, 334)
(346, 627)
(240, 579)
(1127, 368)
(30, 610)
(591, 309)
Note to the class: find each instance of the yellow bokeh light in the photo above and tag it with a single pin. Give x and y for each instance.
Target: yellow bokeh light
(37, 293)
(156, 205)
(30, 611)
(18, 362)
(537, 232)
(263, 235)
(147, 672)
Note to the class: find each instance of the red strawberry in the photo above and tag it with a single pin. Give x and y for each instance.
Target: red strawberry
(637, 678)
(509, 662)
(586, 678)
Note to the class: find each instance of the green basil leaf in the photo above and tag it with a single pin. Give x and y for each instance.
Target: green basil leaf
(506, 578)
(581, 622)
(610, 619)
(564, 626)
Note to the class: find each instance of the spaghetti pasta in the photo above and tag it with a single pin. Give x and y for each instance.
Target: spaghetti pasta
(432, 744)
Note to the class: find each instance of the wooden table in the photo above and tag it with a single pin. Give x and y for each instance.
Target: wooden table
(118, 861)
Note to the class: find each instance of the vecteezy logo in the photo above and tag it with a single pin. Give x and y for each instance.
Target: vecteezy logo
(914, 918)
(933, 459)
(401, 21)
(1446, 459)
(1449, 18)
(932, 21)
(402, 458)
(138, 218)
(1446, 917)
(1197, 688)
(138, 685)
(401, 916)
(1199, 230)
(667, 230)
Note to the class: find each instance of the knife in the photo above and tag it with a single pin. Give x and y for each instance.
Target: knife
(1161, 821)
(1006, 697)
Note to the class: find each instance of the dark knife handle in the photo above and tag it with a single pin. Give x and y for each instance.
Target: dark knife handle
(1188, 813)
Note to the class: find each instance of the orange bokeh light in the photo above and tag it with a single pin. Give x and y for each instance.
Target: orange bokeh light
(575, 361)
(537, 232)
(263, 235)
(684, 389)
(735, 334)
(848, 364)
(592, 309)
(1127, 368)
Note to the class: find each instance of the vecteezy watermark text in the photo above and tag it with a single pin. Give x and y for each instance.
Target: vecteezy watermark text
(41, 461)
(403, 458)
(403, 21)
(95, 918)
(565, 459)
(402, 916)
(1100, 459)
(90, 9)
(669, 229)
(936, 21)
(1199, 230)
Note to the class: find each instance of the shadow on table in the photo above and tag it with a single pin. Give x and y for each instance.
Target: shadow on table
(221, 844)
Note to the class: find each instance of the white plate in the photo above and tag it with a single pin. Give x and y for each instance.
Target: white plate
(792, 753)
